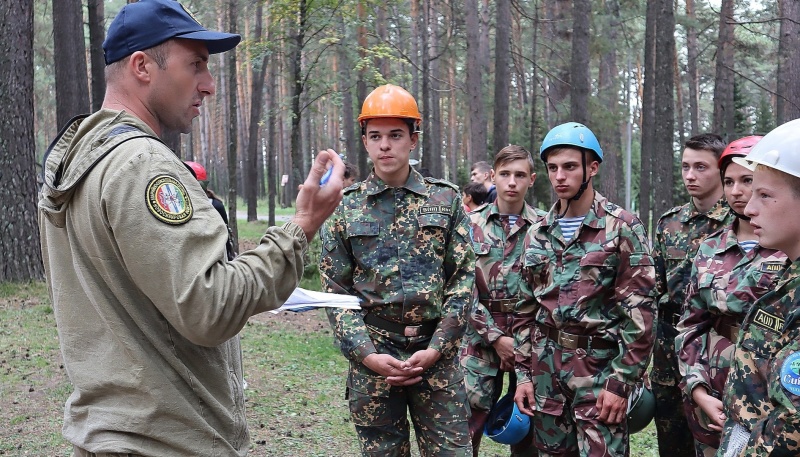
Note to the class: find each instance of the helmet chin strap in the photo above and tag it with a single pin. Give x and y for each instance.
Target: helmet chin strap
(581, 189)
(740, 216)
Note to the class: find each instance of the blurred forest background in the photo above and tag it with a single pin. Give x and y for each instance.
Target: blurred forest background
(643, 75)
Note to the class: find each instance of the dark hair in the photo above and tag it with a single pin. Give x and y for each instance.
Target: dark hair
(511, 153)
(411, 123)
(482, 167)
(710, 142)
(477, 191)
(350, 170)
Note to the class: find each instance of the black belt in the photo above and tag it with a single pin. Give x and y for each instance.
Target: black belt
(502, 305)
(424, 328)
(669, 318)
(572, 341)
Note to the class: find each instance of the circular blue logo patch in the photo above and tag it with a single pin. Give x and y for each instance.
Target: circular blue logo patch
(790, 373)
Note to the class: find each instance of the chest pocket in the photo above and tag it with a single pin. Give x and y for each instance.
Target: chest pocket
(433, 230)
(363, 238)
(536, 271)
(481, 248)
(598, 269)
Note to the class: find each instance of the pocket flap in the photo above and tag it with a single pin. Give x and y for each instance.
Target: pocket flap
(363, 229)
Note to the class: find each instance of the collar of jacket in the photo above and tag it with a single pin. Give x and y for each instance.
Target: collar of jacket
(415, 183)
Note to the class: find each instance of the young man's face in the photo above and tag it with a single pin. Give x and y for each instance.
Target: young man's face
(700, 173)
(512, 180)
(478, 176)
(774, 210)
(565, 170)
(738, 186)
(389, 145)
(177, 91)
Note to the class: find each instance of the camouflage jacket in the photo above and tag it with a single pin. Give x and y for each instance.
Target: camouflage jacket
(600, 284)
(678, 236)
(725, 281)
(763, 389)
(498, 255)
(405, 252)
(679, 233)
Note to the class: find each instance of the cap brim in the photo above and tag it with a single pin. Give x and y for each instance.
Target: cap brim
(216, 42)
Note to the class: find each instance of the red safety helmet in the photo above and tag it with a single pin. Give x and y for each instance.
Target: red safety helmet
(198, 170)
(737, 148)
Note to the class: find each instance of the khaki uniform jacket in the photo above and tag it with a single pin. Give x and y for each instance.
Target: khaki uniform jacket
(148, 311)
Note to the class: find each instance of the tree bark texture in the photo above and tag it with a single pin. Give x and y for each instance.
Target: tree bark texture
(69, 51)
(19, 232)
(691, 68)
(723, 82)
(607, 124)
(502, 79)
(664, 134)
(97, 33)
(233, 153)
(256, 102)
(579, 62)
(788, 98)
(474, 85)
(648, 116)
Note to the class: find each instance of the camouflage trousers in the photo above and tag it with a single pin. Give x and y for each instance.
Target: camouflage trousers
(672, 428)
(718, 356)
(437, 406)
(567, 383)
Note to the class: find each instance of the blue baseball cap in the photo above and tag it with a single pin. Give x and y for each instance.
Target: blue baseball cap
(148, 23)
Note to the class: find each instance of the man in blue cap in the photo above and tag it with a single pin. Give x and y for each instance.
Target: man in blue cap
(148, 306)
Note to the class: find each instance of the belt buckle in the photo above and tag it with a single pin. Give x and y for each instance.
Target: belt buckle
(411, 330)
(568, 340)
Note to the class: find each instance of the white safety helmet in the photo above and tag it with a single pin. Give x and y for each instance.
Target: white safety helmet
(779, 149)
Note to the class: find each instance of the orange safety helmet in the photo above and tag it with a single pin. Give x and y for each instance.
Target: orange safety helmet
(737, 148)
(197, 170)
(390, 101)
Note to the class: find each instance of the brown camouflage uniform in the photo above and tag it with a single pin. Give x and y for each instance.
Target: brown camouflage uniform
(762, 394)
(678, 236)
(724, 283)
(597, 290)
(498, 255)
(406, 253)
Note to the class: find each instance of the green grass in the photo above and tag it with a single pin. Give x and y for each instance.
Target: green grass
(295, 397)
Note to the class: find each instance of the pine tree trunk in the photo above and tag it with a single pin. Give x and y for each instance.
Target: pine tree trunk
(69, 52)
(579, 63)
(97, 27)
(788, 104)
(723, 82)
(502, 80)
(19, 232)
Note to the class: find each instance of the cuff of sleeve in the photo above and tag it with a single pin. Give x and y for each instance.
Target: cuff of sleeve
(362, 351)
(523, 377)
(617, 387)
(298, 233)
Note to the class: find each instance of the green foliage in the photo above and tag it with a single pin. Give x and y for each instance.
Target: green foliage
(765, 120)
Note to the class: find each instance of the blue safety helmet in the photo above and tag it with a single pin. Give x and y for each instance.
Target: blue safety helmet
(506, 424)
(571, 134)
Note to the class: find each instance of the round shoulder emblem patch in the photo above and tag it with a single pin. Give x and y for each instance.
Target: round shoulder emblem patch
(168, 200)
(790, 373)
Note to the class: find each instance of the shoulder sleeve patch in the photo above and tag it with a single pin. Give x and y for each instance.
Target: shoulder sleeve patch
(168, 200)
(790, 373)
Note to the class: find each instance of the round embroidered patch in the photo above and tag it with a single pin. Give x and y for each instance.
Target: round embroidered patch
(168, 200)
(790, 373)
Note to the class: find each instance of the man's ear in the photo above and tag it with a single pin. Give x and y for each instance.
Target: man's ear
(491, 174)
(414, 140)
(594, 167)
(138, 64)
(533, 180)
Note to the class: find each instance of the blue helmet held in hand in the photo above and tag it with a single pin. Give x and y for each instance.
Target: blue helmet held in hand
(571, 134)
(506, 423)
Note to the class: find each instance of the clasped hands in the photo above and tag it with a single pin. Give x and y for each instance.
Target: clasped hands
(399, 372)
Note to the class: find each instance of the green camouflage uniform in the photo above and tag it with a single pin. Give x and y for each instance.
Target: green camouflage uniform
(762, 394)
(678, 236)
(599, 285)
(405, 253)
(724, 283)
(498, 255)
